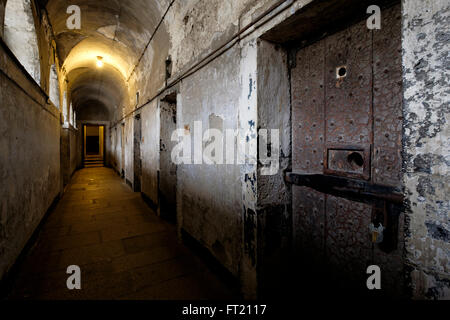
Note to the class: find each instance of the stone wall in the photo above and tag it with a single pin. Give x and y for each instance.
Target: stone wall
(29, 158)
(30, 126)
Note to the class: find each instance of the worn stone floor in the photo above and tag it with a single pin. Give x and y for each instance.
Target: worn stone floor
(123, 249)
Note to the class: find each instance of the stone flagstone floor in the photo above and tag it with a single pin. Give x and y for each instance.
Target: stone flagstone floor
(123, 249)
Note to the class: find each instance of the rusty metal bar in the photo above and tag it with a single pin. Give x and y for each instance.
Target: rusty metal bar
(345, 187)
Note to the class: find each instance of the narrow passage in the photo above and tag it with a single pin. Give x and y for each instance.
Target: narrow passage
(123, 249)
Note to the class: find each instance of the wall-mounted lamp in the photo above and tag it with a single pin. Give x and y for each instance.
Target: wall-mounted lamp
(99, 61)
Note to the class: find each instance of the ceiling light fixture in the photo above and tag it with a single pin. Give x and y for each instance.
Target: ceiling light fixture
(99, 61)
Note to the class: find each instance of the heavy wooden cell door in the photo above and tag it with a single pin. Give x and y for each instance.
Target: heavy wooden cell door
(347, 139)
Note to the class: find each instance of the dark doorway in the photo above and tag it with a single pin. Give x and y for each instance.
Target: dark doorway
(94, 145)
(137, 153)
(168, 170)
(122, 151)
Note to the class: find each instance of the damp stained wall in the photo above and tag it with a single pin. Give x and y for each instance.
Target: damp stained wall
(273, 208)
(222, 93)
(213, 220)
(128, 149)
(426, 63)
(30, 128)
(190, 31)
(197, 26)
(29, 160)
(150, 150)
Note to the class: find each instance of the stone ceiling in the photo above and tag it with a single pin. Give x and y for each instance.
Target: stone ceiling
(116, 30)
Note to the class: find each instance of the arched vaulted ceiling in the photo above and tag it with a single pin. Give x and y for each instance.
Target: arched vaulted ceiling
(104, 86)
(117, 30)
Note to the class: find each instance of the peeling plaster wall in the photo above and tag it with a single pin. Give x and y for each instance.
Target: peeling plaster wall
(150, 150)
(128, 148)
(197, 26)
(426, 63)
(20, 35)
(213, 220)
(225, 90)
(274, 114)
(46, 54)
(274, 208)
(220, 90)
(29, 168)
(248, 126)
(234, 89)
(190, 31)
(149, 77)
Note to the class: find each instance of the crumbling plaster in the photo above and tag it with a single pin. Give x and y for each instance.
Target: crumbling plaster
(150, 150)
(426, 34)
(195, 30)
(214, 221)
(274, 208)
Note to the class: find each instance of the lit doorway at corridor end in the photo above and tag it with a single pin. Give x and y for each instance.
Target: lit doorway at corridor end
(93, 146)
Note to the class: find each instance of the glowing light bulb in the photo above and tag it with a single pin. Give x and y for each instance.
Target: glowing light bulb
(99, 62)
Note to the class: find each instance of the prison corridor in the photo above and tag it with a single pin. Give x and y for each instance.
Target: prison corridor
(124, 250)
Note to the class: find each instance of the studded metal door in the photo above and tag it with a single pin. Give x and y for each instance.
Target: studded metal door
(346, 120)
